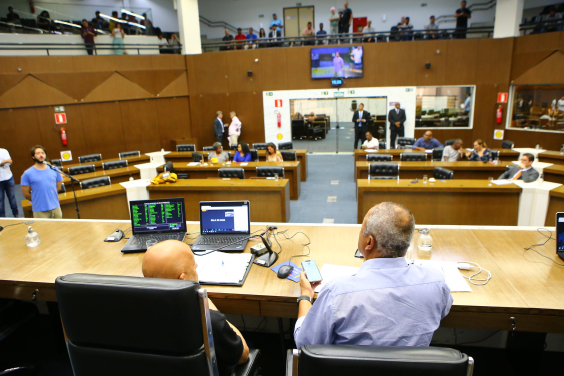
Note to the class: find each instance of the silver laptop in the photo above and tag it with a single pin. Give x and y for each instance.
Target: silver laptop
(224, 226)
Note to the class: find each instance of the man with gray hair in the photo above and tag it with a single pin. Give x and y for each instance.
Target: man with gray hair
(234, 129)
(451, 153)
(387, 302)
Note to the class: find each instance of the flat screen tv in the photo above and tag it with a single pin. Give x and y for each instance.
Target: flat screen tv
(343, 62)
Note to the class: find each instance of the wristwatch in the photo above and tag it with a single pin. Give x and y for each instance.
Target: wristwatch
(305, 297)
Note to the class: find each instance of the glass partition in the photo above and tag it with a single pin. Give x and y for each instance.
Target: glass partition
(444, 107)
(537, 107)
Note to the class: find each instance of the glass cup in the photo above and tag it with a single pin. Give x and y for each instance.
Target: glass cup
(151, 242)
(490, 179)
(275, 177)
(424, 179)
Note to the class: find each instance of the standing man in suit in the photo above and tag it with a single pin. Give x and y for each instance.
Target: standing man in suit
(396, 117)
(524, 171)
(360, 118)
(219, 127)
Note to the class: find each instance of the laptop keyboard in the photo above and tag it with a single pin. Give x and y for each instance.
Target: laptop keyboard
(142, 240)
(208, 240)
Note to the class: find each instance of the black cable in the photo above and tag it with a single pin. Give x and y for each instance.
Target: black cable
(306, 245)
(13, 224)
(532, 247)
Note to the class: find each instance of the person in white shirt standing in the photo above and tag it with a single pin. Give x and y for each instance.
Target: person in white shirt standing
(370, 143)
(561, 104)
(234, 129)
(7, 184)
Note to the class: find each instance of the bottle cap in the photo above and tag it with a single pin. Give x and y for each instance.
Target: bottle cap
(29, 229)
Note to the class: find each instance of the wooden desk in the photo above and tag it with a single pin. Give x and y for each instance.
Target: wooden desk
(505, 155)
(117, 175)
(554, 173)
(270, 200)
(448, 202)
(186, 156)
(524, 286)
(98, 164)
(554, 157)
(555, 205)
(462, 170)
(291, 172)
(108, 202)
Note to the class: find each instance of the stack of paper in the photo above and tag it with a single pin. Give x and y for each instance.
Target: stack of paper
(193, 164)
(220, 268)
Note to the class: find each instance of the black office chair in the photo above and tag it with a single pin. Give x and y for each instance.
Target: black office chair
(450, 142)
(15, 314)
(254, 155)
(186, 147)
(495, 154)
(382, 145)
(233, 147)
(378, 157)
(208, 148)
(288, 155)
(77, 170)
(269, 171)
(114, 164)
(404, 142)
(507, 144)
(336, 360)
(176, 342)
(57, 162)
(413, 157)
(197, 157)
(285, 146)
(437, 154)
(96, 182)
(381, 38)
(90, 158)
(63, 188)
(260, 146)
(442, 173)
(386, 170)
(127, 154)
(231, 172)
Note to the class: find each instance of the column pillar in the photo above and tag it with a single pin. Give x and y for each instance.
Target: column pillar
(508, 15)
(189, 26)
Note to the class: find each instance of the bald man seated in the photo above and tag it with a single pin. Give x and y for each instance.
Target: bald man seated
(427, 142)
(173, 259)
(387, 302)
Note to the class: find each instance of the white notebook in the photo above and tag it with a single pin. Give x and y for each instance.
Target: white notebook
(222, 268)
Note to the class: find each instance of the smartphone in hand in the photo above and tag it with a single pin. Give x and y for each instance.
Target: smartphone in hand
(312, 271)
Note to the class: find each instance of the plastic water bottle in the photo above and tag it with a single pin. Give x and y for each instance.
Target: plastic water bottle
(424, 244)
(537, 147)
(540, 180)
(32, 238)
(562, 149)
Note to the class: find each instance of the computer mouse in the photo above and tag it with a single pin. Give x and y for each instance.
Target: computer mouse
(285, 271)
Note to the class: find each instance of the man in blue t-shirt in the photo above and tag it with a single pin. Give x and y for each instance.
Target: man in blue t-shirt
(277, 22)
(427, 142)
(40, 185)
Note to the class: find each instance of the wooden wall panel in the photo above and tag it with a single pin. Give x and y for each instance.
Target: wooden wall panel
(273, 59)
(51, 136)
(249, 109)
(103, 129)
(8, 81)
(376, 65)
(494, 61)
(116, 88)
(140, 125)
(177, 88)
(537, 42)
(462, 58)
(207, 73)
(522, 62)
(433, 52)
(203, 113)
(36, 64)
(31, 92)
(154, 81)
(94, 63)
(133, 62)
(548, 71)
(548, 141)
(400, 59)
(75, 85)
(239, 63)
(173, 116)
(168, 61)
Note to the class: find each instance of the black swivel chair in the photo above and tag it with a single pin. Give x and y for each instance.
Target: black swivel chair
(57, 162)
(186, 147)
(197, 157)
(378, 157)
(254, 155)
(231, 172)
(176, 342)
(114, 164)
(269, 171)
(437, 154)
(507, 144)
(127, 154)
(385, 170)
(84, 169)
(90, 158)
(207, 148)
(413, 157)
(260, 146)
(285, 146)
(442, 173)
(495, 154)
(96, 182)
(450, 142)
(382, 145)
(288, 155)
(404, 142)
(337, 360)
(62, 190)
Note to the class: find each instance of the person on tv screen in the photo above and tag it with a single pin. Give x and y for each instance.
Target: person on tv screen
(338, 65)
(356, 57)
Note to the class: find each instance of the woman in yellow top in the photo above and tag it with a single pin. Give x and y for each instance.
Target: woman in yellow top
(272, 155)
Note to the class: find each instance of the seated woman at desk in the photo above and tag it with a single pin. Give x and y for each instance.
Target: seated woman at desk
(480, 152)
(272, 155)
(243, 154)
(218, 155)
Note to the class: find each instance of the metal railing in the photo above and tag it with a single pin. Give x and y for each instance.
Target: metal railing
(16, 26)
(81, 46)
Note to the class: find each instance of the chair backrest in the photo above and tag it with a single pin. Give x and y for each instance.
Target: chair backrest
(333, 360)
(63, 188)
(90, 158)
(450, 142)
(260, 146)
(382, 145)
(289, 155)
(207, 148)
(384, 170)
(96, 182)
(254, 155)
(84, 169)
(57, 162)
(231, 172)
(269, 171)
(442, 173)
(285, 146)
(379, 157)
(437, 154)
(495, 154)
(106, 322)
(407, 157)
(197, 157)
(186, 147)
(114, 164)
(507, 144)
(405, 142)
(127, 154)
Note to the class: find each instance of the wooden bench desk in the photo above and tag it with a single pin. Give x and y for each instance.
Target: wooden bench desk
(98, 164)
(505, 155)
(554, 173)
(555, 205)
(117, 175)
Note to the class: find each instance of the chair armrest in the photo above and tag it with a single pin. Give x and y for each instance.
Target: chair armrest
(21, 370)
(292, 362)
(250, 367)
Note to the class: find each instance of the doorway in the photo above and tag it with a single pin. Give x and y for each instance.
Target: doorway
(296, 19)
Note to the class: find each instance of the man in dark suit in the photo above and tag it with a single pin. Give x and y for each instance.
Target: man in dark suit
(360, 120)
(396, 117)
(524, 171)
(274, 35)
(219, 127)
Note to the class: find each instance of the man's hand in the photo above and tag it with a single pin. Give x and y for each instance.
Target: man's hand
(306, 286)
(419, 148)
(521, 166)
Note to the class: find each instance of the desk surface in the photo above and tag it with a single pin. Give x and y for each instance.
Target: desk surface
(455, 166)
(397, 152)
(98, 164)
(182, 166)
(439, 185)
(554, 169)
(524, 285)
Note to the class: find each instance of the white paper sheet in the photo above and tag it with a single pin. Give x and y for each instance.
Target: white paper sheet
(193, 164)
(244, 164)
(502, 182)
(453, 278)
(218, 267)
(371, 151)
